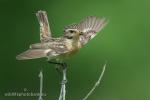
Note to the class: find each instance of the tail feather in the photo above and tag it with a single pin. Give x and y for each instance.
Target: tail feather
(45, 32)
(32, 54)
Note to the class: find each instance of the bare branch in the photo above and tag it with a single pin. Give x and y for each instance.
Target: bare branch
(41, 84)
(63, 85)
(96, 84)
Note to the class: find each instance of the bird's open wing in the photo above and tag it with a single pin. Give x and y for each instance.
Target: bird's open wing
(88, 27)
(45, 32)
(41, 50)
(56, 46)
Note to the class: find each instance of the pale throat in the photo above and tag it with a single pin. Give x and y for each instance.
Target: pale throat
(73, 44)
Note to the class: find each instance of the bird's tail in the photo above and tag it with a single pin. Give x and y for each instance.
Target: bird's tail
(45, 31)
(32, 54)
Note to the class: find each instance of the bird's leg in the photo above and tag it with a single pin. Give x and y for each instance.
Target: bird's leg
(58, 66)
(61, 66)
(57, 63)
(64, 79)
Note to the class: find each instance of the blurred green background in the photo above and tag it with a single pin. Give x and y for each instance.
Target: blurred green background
(124, 43)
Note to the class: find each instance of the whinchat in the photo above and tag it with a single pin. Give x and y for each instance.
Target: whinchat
(73, 38)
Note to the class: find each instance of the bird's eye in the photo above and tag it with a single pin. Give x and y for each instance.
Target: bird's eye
(71, 31)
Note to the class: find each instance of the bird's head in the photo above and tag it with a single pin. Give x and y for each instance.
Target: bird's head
(72, 34)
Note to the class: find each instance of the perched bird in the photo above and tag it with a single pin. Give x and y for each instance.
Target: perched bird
(73, 38)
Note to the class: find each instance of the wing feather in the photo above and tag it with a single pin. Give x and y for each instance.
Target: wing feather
(32, 54)
(88, 27)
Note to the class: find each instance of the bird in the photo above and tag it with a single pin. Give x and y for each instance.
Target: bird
(74, 37)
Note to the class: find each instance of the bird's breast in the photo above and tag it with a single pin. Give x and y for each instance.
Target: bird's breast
(72, 46)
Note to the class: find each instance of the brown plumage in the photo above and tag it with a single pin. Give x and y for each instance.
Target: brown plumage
(73, 38)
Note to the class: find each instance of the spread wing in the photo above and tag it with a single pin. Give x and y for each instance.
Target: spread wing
(88, 27)
(45, 32)
(40, 50)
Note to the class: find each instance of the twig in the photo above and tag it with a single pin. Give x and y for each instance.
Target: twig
(41, 85)
(63, 85)
(96, 84)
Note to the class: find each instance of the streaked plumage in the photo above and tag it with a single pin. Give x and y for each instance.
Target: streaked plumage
(88, 27)
(45, 32)
(73, 38)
